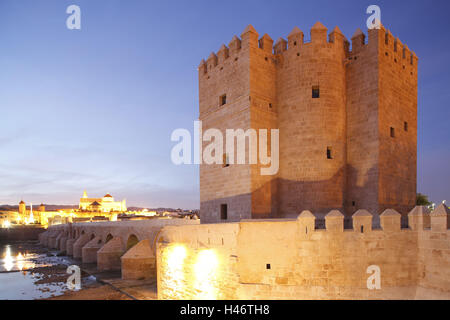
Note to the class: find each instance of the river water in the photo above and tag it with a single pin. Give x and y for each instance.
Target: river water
(29, 272)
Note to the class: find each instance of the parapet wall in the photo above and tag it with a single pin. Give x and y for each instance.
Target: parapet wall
(289, 259)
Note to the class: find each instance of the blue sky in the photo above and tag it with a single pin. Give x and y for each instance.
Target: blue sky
(94, 108)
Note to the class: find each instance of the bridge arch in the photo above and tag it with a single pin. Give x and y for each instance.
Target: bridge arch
(108, 238)
(159, 237)
(132, 241)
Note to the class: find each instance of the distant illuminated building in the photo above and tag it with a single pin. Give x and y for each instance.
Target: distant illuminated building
(105, 204)
(31, 219)
(90, 209)
(22, 208)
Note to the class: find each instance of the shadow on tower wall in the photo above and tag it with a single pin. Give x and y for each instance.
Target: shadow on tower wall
(288, 198)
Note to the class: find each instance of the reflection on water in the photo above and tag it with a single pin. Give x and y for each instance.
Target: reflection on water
(18, 283)
(22, 286)
(8, 261)
(17, 259)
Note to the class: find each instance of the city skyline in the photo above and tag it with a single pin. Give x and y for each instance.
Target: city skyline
(94, 108)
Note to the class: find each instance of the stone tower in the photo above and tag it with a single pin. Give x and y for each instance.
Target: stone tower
(381, 84)
(22, 208)
(347, 123)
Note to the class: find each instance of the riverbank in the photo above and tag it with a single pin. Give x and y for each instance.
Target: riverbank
(20, 233)
(95, 291)
(29, 271)
(110, 286)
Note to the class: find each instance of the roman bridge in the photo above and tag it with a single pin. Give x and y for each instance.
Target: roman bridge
(129, 246)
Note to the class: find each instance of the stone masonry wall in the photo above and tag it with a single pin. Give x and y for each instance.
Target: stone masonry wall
(362, 125)
(289, 259)
(397, 110)
(364, 92)
(226, 73)
(308, 125)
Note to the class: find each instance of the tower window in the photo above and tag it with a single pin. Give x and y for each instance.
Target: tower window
(353, 203)
(225, 160)
(329, 155)
(223, 99)
(392, 132)
(315, 92)
(405, 126)
(268, 266)
(223, 212)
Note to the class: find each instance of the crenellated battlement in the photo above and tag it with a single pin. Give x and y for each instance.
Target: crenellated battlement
(362, 221)
(388, 46)
(418, 219)
(383, 38)
(249, 38)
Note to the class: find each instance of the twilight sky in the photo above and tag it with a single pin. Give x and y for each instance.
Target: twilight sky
(94, 108)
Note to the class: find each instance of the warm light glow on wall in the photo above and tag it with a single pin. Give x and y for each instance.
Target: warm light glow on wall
(174, 271)
(205, 270)
(176, 256)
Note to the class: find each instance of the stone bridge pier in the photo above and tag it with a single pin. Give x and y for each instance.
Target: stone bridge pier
(128, 246)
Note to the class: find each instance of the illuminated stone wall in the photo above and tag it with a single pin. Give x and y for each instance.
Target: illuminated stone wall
(198, 262)
(289, 259)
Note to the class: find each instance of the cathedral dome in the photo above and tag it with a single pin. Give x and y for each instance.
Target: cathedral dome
(108, 198)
